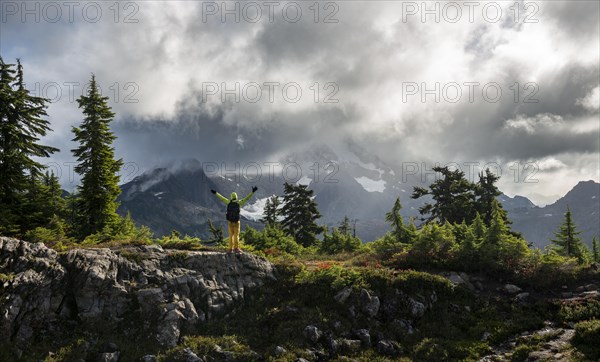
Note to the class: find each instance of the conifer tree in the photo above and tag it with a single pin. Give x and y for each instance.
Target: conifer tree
(486, 192)
(595, 250)
(399, 230)
(566, 242)
(21, 127)
(344, 226)
(453, 198)
(99, 189)
(498, 228)
(271, 211)
(478, 228)
(300, 213)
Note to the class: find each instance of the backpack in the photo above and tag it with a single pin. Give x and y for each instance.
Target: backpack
(233, 211)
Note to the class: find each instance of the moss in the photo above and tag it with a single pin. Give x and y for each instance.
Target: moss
(136, 257)
(213, 346)
(178, 256)
(6, 277)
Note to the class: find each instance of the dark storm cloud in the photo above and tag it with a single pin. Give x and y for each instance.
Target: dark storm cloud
(368, 53)
(578, 18)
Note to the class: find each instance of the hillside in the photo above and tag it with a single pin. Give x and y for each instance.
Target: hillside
(147, 303)
(538, 224)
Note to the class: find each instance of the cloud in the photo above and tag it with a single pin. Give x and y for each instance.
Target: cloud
(354, 75)
(592, 100)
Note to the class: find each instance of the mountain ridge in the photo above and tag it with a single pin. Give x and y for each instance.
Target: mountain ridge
(179, 198)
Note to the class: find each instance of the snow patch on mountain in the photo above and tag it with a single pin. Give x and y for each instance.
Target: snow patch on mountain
(371, 185)
(254, 211)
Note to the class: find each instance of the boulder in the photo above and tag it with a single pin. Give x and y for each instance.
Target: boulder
(364, 336)
(369, 304)
(343, 295)
(49, 290)
(416, 309)
(511, 289)
(312, 333)
(389, 348)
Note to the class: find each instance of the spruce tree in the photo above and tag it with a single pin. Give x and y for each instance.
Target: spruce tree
(479, 228)
(344, 226)
(271, 211)
(300, 213)
(453, 198)
(486, 192)
(21, 127)
(399, 230)
(99, 189)
(595, 250)
(498, 228)
(566, 242)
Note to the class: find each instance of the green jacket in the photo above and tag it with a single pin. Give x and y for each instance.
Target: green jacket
(234, 197)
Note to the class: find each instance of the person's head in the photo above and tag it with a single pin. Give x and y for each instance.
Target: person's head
(233, 196)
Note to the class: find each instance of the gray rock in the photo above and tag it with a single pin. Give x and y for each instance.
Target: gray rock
(511, 289)
(109, 357)
(343, 295)
(592, 294)
(333, 346)
(387, 347)
(350, 345)
(403, 325)
(460, 279)
(279, 351)
(190, 356)
(49, 289)
(312, 333)
(369, 304)
(521, 297)
(590, 287)
(417, 309)
(149, 358)
(364, 336)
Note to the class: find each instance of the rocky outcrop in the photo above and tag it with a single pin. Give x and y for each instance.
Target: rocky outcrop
(169, 290)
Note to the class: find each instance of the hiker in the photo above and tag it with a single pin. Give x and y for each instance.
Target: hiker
(233, 217)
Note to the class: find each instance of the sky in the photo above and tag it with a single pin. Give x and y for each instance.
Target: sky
(510, 84)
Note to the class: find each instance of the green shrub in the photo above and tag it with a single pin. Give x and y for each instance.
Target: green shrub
(124, 231)
(271, 238)
(211, 347)
(339, 242)
(175, 241)
(587, 338)
(53, 236)
(332, 276)
(579, 311)
(430, 350)
(386, 246)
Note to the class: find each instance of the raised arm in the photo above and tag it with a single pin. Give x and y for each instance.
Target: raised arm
(221, 197)
(243, 201)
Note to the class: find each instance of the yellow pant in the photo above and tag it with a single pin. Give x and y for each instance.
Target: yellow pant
(234, 235)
